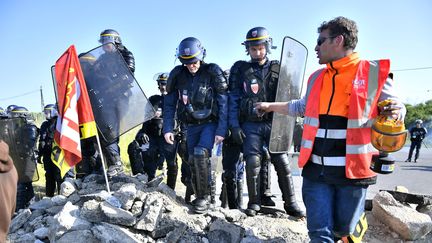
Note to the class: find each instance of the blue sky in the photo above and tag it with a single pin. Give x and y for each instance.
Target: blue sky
(36, 33)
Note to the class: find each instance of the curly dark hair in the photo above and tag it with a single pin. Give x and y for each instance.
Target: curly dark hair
(342, 26)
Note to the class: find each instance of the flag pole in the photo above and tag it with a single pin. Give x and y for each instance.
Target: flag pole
(103, 162)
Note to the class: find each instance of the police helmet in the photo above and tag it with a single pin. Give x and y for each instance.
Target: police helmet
(190, 50)
(87, 58)
(257, 36)
(419, 121)
(19, 111)
(161, 78)
(110, 36)
(10, 108)
(2, 112)
(50, 111)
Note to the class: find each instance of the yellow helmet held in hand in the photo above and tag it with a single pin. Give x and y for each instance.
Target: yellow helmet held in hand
(388, 134)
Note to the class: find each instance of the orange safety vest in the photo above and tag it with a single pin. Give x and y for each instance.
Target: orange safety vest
(366, 89)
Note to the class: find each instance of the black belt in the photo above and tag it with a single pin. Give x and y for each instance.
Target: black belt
(199, 122)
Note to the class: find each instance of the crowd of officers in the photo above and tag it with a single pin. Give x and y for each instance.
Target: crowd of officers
(199, 106)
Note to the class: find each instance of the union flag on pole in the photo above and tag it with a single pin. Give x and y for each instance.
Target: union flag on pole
(75, 120)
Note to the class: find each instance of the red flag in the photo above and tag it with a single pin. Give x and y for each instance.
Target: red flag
(75, 112)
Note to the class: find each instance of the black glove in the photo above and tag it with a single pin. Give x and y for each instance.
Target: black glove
(237, 135)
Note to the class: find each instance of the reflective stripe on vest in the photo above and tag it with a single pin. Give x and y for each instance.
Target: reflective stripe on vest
(328, 161)
(362, 111)
(331, 133)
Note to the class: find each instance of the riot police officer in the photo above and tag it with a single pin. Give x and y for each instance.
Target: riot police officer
(197, 91)
(103, 69)
(159, 150)
(135, 150)
(23, 154)
(112, 36)
(251, 82)
(417, 134)
(53, 178)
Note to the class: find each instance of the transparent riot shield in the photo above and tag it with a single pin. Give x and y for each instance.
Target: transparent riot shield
(292, 68)
(21, 139)
(118, 102)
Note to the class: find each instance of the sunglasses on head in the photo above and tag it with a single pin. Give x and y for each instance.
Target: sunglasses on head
(321, 40)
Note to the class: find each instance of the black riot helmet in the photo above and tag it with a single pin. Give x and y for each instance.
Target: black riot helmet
(50, 111)
(110, 36)
(10, 108)
(19, 111)
(190, 50)
(257, 36)
(161, 78)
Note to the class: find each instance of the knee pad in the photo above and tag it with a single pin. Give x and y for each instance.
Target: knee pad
(253, 161)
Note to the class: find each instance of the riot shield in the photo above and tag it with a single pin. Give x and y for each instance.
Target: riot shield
(292, 68)
(21, 139)
(118, 102)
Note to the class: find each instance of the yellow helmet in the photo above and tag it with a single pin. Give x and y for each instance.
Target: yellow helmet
(388, 134)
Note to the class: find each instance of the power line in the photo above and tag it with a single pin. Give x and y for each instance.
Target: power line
(411, 69)
(20, 95)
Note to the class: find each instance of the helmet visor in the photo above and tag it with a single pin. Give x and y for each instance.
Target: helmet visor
(104, 39)
(386, 142)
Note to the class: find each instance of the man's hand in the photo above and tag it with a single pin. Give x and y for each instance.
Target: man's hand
(391, 108)
(237, 135)
(262, 106)
(218, 139)
(169, 137)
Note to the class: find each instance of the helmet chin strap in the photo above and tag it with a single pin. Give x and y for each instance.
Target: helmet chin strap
(256, 60)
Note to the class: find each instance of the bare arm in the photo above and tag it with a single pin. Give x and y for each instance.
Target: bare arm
(291, 108)
(278, 107)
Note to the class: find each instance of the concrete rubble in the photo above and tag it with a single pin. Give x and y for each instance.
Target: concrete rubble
(142, 211)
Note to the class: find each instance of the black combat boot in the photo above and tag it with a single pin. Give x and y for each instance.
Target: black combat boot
(231, 189)
(286, 186)
(265, 185)
(240, 193)
(223, 195)
(200, 172)
(253, 184)
(172, 178)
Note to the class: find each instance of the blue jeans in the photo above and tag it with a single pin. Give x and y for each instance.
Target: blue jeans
(332, 210)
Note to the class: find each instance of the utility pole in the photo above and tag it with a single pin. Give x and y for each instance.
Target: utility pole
(42, 99)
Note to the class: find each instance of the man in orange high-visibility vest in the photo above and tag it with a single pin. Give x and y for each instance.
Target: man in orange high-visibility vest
(339, 108)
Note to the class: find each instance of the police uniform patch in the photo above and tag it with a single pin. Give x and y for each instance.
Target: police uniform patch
(185, 97)
(254, 86)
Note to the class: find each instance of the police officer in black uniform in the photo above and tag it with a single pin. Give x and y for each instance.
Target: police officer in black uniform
(252, 82)
(111, 150)
(135, 150)
(197, 91)
(417, 134)
(25, 159)
(159, 150)
(52, 172)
